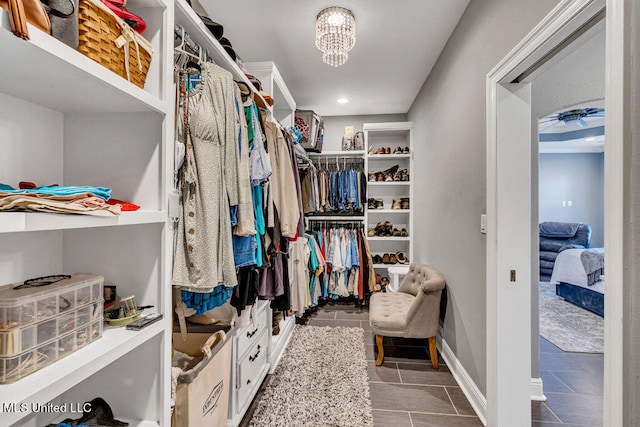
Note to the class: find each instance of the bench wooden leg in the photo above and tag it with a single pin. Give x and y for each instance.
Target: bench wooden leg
(433, 352)
(380, 358)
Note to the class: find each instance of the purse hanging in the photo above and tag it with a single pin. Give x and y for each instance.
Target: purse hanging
(23, 11)
(63, 15)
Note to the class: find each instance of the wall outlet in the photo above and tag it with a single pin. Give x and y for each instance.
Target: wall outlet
(483, 223)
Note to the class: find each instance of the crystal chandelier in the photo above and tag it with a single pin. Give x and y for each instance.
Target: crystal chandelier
(335, 34)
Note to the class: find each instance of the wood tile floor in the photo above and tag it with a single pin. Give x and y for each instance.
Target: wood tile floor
(573, 384)
(406, 391)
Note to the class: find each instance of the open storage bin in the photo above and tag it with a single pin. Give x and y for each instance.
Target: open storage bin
(202, 394)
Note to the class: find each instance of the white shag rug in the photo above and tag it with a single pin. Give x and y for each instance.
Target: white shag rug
(568, 326)
(320, 381)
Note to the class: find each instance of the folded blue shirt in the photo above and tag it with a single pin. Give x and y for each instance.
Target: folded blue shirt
(61, 190)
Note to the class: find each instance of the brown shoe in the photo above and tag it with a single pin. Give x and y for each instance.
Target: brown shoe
(396, 232)
(397, 176)
(404, 203)
(379, 203)
(401, 258)
(393, 259)
(387, 150)
(404, 232)
(385, 259)
(378, 279)
(396, 204)
(380, 150)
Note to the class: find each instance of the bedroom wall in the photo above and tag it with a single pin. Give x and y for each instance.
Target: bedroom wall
(450, 158)
(579, 178)
(334, 126)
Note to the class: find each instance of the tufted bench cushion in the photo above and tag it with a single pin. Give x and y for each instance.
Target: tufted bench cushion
(388, 313)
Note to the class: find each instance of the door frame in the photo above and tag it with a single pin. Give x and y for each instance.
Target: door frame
(505, 391)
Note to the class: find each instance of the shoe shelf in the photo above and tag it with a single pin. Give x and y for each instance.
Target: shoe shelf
(388, 156)
(389, 239)
(389, 183)
(14, 222)
(384, 266)
(395, 135)
(389, 211)
(46, 384)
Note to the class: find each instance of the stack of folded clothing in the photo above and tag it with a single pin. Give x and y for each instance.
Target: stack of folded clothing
(83, 200)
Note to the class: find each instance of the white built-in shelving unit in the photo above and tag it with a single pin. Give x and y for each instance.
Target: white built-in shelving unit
(68, 120)
(284, 106)
(392, 135)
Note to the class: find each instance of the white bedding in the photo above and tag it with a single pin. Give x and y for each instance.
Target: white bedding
(568, 268)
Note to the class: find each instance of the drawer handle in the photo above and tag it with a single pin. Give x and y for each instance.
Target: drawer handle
(250, 334)
(255, 356)
(248, 382)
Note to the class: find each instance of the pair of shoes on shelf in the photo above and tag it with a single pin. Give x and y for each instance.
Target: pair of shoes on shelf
(387, 175)
(397, 204)
(389, 259)
(372, 177)
(375, 203)
(371, 232)
(402, 203)
(401, 258)
(404, 175)
(377, 259)
(400, 150)
(384, 229)
(383, 150)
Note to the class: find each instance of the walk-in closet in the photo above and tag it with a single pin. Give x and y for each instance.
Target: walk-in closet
(283, 214)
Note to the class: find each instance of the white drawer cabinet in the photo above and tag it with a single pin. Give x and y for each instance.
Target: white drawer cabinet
(251, 369)
(249, 362)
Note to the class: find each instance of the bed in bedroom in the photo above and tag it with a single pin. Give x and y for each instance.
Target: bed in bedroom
(579, 278)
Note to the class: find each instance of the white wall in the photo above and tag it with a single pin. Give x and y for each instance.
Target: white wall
(334, 126)
(578, 178)
(449, 122)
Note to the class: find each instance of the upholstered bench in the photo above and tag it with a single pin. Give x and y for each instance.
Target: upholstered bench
(412, 312)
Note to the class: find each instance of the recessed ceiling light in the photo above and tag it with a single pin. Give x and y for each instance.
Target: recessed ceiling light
(342, 100)
(591, 138)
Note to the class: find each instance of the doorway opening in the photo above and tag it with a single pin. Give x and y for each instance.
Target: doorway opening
(512, 156)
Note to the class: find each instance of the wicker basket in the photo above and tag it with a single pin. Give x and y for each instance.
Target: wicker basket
(109, 41)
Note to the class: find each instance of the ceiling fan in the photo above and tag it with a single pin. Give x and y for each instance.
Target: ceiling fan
(573, 117)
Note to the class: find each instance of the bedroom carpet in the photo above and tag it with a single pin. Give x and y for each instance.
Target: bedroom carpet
(569, 327)
(320, 381)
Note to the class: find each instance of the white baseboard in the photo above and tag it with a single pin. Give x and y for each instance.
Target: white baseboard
(477, 400)
(536, 390)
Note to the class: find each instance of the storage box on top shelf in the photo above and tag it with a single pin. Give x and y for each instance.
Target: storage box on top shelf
(311, 125)
(41, 324)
